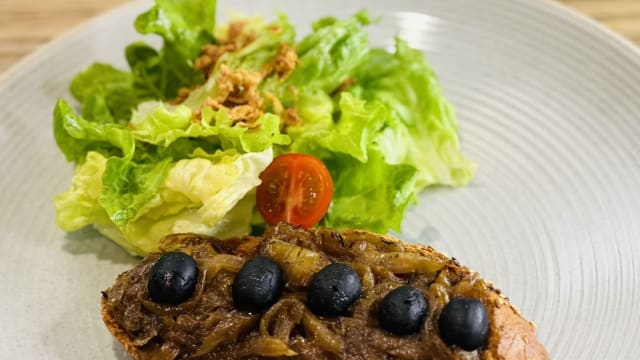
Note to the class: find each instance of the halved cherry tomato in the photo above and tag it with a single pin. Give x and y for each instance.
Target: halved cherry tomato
(295, 188)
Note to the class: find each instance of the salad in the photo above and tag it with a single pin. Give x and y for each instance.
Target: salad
(177, 142)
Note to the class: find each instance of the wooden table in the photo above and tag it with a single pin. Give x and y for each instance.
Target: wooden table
(26, 24)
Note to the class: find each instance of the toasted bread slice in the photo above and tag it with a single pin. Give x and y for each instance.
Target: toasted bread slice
(208, 327)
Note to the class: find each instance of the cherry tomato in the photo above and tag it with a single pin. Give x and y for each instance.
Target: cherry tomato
(295, 188)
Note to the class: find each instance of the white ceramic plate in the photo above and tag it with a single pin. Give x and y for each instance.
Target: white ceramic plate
(549, 107)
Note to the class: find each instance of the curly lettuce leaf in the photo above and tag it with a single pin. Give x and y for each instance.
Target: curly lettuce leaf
(262, 50)
(369, 195)
(254, 57)
(385, 139)
(106, 93)
(136, 166)
(208, 194)
(128, 186)
(184, 26)
(326, 58)
(422, 130)
(331, 52)
(369, 192)
(352, 134)
(163, 126)
(78, 206)
(76, 136)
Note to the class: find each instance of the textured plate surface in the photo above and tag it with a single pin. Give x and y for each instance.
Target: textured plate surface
(549, 107)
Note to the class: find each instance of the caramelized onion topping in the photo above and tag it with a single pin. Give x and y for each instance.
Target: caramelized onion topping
(207, 326)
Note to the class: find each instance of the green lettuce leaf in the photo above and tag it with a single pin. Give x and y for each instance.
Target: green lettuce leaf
(331, 52)
(352, 134)
(327, 57)
(369, 195)
(128, 186)
(252, 58)
(78, 206)
(209, 194)
(369, 192)
(130, 181)
(185, 26)
(96, 108)
(106, 93)
(422, 130)
(260, 52)
(384, 139)
(163, 126)
(76, 136)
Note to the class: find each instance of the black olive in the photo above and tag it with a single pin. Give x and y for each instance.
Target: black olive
(464, 322)
(333, 289)
(173, 278)
(403, 311)
(257, 285)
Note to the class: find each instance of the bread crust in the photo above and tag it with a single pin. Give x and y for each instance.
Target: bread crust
(120, 335)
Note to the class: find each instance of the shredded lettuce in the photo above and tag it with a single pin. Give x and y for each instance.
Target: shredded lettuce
(153, 161)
